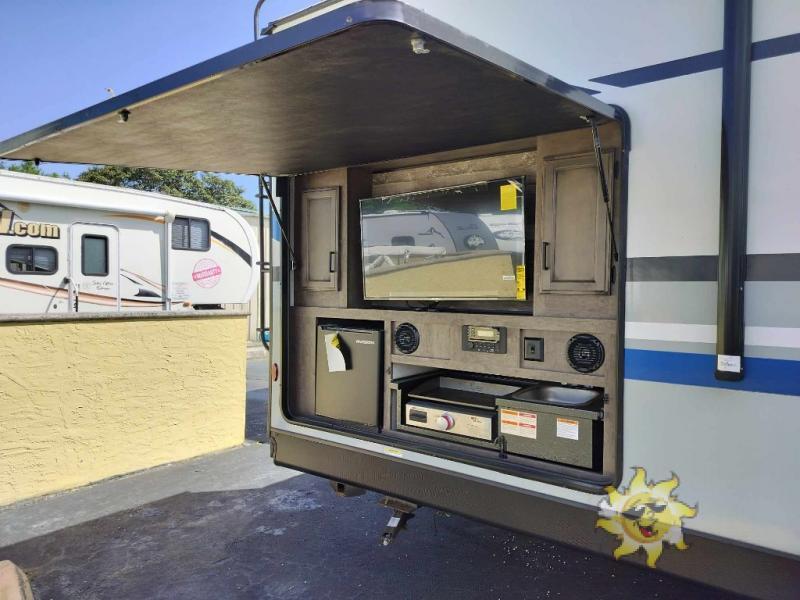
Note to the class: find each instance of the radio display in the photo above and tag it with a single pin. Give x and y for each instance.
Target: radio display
(484, 334)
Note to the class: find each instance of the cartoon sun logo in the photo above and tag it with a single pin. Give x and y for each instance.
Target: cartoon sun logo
(645, 515)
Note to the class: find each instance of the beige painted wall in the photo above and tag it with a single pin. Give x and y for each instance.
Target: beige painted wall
(85, 400)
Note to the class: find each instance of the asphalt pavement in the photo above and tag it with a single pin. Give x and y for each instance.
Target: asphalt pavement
(256, 411)
(233, 525)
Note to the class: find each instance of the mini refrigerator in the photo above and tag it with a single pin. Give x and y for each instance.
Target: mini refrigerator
(355, 393)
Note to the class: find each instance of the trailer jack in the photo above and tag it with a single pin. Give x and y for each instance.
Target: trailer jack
(402, 511)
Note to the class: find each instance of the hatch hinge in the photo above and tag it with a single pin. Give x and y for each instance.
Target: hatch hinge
(601, 172)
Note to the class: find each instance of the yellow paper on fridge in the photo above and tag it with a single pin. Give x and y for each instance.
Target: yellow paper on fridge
(334, 354)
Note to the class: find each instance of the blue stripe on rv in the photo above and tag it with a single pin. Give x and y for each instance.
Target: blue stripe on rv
(766, 375)
(780, 46)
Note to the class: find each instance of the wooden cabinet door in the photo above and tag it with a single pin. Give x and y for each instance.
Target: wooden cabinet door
(320, 225)
(574, 253)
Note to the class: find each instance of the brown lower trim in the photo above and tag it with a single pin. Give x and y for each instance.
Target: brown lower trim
(717, 562)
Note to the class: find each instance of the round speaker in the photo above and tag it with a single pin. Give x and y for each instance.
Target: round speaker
(585, 353)
(406, 338)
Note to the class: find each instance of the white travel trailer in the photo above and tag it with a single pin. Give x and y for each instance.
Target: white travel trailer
(613, 393)
(70, 246)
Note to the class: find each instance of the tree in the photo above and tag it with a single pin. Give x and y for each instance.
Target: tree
(203, 187)
(28, 167)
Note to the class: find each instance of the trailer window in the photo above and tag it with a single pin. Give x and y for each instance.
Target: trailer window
(94, 255)
(190, 234)
(31, 260)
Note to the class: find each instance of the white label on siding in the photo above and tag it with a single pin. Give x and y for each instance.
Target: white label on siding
(726, 362)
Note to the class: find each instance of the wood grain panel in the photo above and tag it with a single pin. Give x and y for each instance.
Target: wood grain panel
(564, 303)
(555, 351)
(438, 341)
(428, 177)
(311, 294)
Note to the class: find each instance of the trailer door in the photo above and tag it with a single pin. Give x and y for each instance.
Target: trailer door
(94, 268)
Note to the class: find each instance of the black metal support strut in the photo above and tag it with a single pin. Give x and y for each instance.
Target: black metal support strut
(601, 174)
(601, 171)
(732, 266)
(263, 267)
(267, 189)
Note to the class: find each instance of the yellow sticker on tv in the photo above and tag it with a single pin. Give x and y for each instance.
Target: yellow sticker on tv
(521, 282)
(508, 197)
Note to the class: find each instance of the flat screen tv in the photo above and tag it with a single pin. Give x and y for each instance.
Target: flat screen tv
(457, 243)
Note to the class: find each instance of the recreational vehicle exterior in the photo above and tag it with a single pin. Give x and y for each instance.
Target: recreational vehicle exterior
(70, 246)
(624, 400)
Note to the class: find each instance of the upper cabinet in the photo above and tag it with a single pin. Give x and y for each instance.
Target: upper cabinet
(575, 243)
(319, 269)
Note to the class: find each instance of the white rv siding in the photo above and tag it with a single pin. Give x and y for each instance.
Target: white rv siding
(774, 213)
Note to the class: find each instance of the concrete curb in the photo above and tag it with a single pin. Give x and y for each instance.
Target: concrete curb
(14, 583)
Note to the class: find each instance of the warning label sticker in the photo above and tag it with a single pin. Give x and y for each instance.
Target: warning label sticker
(518, 422)
(520, 282)
(508, 197)
(567, 428)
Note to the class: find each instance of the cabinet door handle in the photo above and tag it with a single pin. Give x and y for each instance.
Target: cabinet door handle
(545, 266)
(332, 262)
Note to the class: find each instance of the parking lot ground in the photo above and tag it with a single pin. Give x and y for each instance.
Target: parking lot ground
(256, 408)
(233, 525)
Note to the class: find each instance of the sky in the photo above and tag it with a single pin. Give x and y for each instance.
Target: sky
(60, 56)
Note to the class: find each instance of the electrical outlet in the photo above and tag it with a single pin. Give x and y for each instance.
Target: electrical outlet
(533, 349)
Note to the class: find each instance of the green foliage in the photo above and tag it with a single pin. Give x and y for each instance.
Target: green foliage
(202, 187)
(30, 168)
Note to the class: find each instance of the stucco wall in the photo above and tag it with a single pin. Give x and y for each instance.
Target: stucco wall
(85, 400)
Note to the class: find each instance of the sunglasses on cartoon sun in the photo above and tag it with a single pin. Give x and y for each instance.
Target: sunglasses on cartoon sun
(637, 511)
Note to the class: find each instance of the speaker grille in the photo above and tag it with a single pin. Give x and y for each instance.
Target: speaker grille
(585, 353)
(406, 338)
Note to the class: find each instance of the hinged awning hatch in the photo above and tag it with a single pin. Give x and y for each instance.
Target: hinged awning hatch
(344, 88)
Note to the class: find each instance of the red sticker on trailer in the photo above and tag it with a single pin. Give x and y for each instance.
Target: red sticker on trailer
(206, 273)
